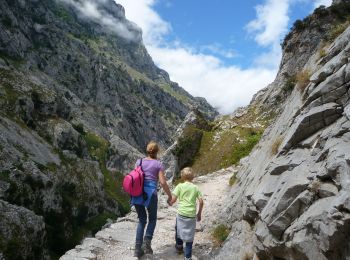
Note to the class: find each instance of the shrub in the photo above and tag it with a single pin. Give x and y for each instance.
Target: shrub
(336, 31)
(220, 233)
(322, 52)
(321, 11)
(289, 84)
(315, 186)
(298, 25)
(233, 179)
(303, 79)
(7, 21)
(80, 128)
(276, 145)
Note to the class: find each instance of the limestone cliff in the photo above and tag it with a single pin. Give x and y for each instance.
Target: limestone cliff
(79, 97)
(291, 198)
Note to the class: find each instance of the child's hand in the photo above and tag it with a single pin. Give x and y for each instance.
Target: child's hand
(199, 217)
(169, 201)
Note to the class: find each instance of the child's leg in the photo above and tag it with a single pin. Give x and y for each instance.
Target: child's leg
(188, 249)
(178, 241)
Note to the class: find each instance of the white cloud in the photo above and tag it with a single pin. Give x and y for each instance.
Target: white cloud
(322, 2)
(217, 49)
(225, 87)
(271, 22)
(141, 12)
(92, 10)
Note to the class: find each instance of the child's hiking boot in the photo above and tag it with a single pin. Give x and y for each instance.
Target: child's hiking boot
(138, 251)
(146, 246)
(179, 248)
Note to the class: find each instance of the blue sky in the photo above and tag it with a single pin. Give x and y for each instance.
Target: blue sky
(222, 50)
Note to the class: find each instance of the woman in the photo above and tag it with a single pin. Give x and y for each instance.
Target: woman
(154, 171)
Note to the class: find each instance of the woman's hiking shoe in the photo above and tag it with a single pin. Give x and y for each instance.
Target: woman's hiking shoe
(179, 249)
(188, 258)
(146, 246)
(138, 251)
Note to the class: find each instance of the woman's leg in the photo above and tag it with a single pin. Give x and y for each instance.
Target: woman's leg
(152, 217)
(142, 216)
(188, 249)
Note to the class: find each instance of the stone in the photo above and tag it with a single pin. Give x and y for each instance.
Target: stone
(311, 122)
(327, 190)
(347, 111)
(278, 225)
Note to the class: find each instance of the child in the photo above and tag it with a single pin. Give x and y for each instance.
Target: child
(188, 194)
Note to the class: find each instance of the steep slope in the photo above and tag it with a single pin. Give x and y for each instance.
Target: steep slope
(80, 97)
(232, 137)
(291, 199)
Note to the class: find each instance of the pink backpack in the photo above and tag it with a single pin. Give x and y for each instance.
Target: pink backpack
(133, 182)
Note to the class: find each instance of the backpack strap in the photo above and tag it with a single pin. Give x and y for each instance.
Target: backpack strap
(140, 164)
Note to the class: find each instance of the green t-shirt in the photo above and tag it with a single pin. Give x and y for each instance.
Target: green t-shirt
(187, 194)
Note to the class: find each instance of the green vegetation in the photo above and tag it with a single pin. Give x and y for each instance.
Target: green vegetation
(80, 128)
(98, 149)
(233, 179)
(338, 13)
(337, 30)
(289, 83)
(220, 233)
(188, 146)
(63, 13)
(92, 226)
(299, 25)
(243, 149)
(7, 22)
(322, 53)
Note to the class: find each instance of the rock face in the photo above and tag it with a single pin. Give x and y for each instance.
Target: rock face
(293, 189)
(79, 98)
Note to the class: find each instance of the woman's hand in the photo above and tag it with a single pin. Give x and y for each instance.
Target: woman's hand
(169, 201)
(199, 217)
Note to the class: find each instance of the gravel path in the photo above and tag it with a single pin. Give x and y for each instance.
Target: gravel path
(117, 241)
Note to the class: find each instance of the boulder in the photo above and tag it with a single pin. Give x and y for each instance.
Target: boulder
(309, 123)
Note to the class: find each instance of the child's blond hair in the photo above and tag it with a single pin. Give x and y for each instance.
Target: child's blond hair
(187, 174)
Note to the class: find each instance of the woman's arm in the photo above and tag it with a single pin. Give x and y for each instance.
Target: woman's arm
(164, 184)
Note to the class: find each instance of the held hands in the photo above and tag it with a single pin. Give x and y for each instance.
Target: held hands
(169, 201)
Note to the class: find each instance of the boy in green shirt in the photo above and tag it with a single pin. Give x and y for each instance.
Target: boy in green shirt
(187, 193)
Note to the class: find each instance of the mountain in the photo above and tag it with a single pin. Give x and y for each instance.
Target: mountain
(80, 97)
(290, 196)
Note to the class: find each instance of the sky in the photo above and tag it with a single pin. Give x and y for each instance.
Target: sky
(224, 50)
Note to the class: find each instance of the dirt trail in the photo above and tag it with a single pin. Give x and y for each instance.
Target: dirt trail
(117, 241)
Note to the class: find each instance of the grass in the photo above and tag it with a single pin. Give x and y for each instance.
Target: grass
(289, 83)
(233, 179)
(98, 149)
(303, 79)
(91, 226)
(221, 148)
(220, 233)
(276, 145)
(241, 150)
(322, 53)
(315, 186)
(337, 30)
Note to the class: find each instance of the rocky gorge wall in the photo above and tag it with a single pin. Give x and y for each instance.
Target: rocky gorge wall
(78, 102)
(291, 200)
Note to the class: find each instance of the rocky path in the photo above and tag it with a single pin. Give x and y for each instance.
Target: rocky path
(117, 241)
